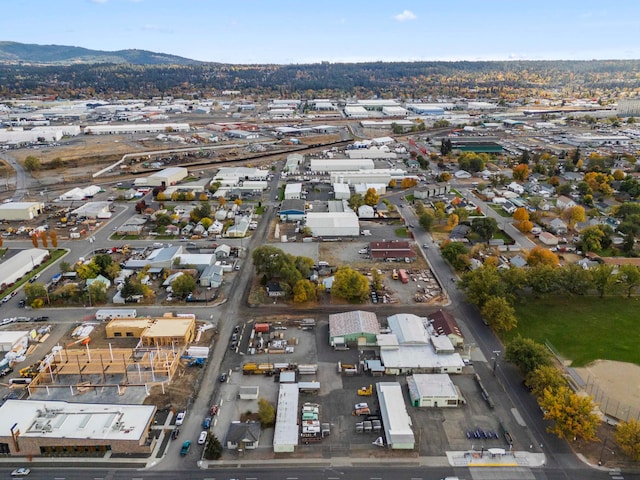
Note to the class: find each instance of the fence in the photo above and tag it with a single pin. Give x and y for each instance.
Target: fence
(609, 406)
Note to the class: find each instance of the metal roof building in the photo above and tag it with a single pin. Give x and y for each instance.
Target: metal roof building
(432, 390)
(333, 224)
(409, 329)
(396, 420)
(356, 327)
(340, 164)
(285, 436)
(21, 263)
(20, 210)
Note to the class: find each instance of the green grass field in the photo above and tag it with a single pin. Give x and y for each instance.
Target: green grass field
(583, 329)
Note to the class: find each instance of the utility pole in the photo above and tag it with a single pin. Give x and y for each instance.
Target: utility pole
(496, 354)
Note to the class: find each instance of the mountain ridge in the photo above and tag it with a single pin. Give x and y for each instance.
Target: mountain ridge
(32, 53)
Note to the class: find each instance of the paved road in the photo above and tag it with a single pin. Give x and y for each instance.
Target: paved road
(310, 471)
(23, 180)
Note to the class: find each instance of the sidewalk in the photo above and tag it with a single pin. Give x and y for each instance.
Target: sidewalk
(451, 459)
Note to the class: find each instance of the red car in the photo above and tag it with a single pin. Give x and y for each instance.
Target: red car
(214, 410)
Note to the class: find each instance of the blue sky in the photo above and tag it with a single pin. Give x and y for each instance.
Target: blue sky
(303, 31)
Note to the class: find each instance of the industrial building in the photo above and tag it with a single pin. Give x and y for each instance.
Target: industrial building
(340, 164)
(77, 193)
(396, 420)
(292, 164)
(18, 265)
(136, 128)
(292, 210)
(333, 224)
(164, 178)
(20, 210)
(394, 250)
(34, 428)
(373, 153)
(341, 191)
(285, 436)
(380, 175)
(17, 135)
(236, 175)
(433, 390)
(353, 328)
(94, 210)
(293, 191)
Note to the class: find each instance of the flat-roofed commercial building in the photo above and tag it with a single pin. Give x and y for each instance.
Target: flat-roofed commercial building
(34, 428)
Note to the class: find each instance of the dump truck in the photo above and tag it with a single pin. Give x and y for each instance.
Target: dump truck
(365, 391)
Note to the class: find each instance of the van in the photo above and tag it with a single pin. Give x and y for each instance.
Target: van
(20, 381)
(158, 245)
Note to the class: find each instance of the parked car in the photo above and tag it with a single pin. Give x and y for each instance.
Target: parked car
(180, 418)
(206, 423)
(202, 438)
(22, 303)
(213, 410)
(175, 433)
(223, 378)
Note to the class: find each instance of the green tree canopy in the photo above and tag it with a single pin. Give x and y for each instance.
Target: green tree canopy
(499, 314)
(484, 227)
(266, 413)
(350, 285)
(183, 285)
(527, 355)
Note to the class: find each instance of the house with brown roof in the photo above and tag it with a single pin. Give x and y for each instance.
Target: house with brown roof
(443, 323)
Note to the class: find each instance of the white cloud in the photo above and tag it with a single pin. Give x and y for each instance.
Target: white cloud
(405, 15)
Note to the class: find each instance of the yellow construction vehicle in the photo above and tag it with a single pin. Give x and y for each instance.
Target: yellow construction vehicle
(365, 391)
(29, 372)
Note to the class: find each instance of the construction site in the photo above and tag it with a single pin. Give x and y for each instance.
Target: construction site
(132, 360)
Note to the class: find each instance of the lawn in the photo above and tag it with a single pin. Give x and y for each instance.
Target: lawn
(583, 329)
(402, 232)
(499, 210)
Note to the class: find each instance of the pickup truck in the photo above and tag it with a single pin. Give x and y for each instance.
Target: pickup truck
(186, 446)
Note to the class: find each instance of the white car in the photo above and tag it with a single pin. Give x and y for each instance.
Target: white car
(202, 438)
(359, 406)
(21, 472)
(180, 418)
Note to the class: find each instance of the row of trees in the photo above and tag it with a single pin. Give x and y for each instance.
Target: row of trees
(42, 237)
(572, 414)
(494, 290)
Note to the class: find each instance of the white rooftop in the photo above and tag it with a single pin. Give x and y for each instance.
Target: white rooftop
(434, 385)
(408, 328)
(397, 423)
(286, 428)
(38, 418)
(419, 356)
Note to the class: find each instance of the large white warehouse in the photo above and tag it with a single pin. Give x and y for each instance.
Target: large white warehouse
(168, 176)
(333, 224)
(340, 164)
(136, 128)
(382, 175)
(20, 210)
(21, 263)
